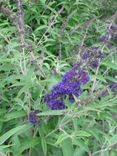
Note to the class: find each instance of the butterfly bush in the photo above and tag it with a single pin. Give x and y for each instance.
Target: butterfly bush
(69, 86)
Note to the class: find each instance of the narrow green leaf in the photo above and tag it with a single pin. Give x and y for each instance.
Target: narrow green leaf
(111, 79)
(14, 115)
(61, 138)
(81, 144)
(67, 147)
(113, 139)
(44, 145)
(29, 143)
(99, 77)
(13, 131)
(79, 152)
(5, 146)
(82, 133)
(16, 144)
(110, 65)
(52, 112)
(41, 28)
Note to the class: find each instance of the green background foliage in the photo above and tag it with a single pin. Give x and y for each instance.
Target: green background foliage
(55, 30)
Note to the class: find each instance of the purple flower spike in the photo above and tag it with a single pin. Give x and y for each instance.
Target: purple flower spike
(33, 117)
(69, 86)
(69, 75)
(77, 65)
(86, 55)
(94, 64)
(57, 104)
(83, 77)
(92, 56)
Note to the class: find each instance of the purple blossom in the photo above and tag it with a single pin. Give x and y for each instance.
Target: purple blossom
(94, 64)
(77, 65)
(91, 57)
(56, 104)
(106, 39)
(33, 117)
(69, 87)
(83, 77)
(105, 93)
(113, 87)
(69, 75)
(86, 55)
(92, 53)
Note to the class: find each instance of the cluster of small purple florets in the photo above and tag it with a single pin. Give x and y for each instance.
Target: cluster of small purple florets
(69, 86)
(113, 87)
(111, 34)
(92, 56)
(33, 117)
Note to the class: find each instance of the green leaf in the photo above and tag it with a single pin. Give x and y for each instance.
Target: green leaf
(40, 28)
(16, 144)
(99, 77)
(61, 138)
(52, 112)
(14, 115)
(29, 143)
(113, 139)
(79, 152)
(67, 147)
(13, 131)
(81, 144)
(95, 133)
(82, 134)
(5, 146)
(44, 145)
(111, 79)
(113, 153)
(110, 65)
(104, 153)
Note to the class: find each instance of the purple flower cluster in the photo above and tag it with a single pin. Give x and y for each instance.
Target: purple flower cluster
(69, 86)
(111, 34)
(92, 56)
(113, 87)
(33, 117)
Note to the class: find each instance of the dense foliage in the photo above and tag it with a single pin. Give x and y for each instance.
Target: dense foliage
(58, 78)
